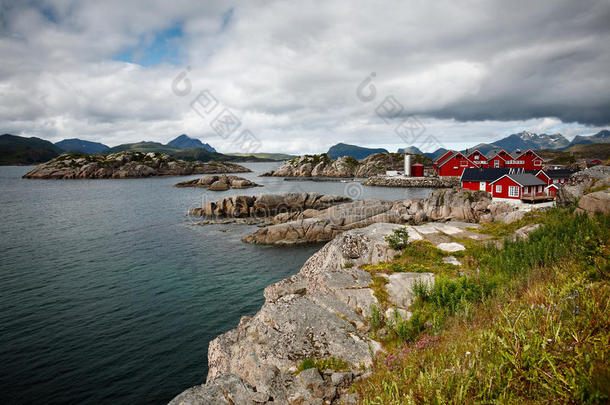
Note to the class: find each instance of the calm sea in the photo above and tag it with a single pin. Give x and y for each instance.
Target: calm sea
(108, 293)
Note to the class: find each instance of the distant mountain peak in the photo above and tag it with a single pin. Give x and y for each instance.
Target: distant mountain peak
(184, 141)
(355, 151)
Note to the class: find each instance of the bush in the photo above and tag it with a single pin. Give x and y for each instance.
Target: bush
(399, 239)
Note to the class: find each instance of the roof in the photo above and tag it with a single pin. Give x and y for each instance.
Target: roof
(484, 174)
(524, 179)
(558, 173)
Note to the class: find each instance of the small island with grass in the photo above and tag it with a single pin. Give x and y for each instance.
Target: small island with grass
(125, 165)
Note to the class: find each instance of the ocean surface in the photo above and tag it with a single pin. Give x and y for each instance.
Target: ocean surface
(110, 295)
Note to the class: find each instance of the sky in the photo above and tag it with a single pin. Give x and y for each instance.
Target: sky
(298, 77)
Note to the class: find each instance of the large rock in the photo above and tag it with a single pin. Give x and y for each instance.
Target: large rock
(219, 183)
(323, 225)
(283, 207)
(125, 165)
(595, 203)
(581, 183)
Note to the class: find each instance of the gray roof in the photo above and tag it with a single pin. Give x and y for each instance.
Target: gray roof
(526, 179)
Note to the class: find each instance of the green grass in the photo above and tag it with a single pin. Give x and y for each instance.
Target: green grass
(528, 323)
(331, 363)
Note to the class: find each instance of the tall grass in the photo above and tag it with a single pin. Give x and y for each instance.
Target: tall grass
(530, 323)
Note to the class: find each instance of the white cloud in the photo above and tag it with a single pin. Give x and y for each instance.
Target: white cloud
(290, 70)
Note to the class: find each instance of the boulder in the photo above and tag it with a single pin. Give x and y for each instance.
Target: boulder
(219, 186)
(595, 203)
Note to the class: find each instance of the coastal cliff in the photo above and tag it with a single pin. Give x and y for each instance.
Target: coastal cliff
(125, 165)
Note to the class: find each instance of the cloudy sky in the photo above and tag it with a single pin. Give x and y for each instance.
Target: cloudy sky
(301, 76)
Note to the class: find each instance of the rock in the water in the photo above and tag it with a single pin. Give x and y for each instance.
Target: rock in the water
(219, 183)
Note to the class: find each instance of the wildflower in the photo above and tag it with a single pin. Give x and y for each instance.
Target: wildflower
(549, 340)
(467, 353)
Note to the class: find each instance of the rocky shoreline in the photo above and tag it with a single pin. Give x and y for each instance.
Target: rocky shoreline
(320, 312)
(301, 218)
(402, 181)
(125, 165)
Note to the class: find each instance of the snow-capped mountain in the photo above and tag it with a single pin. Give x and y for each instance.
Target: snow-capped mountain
(526, 140)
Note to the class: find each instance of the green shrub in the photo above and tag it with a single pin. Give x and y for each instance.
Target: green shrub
(399, 239)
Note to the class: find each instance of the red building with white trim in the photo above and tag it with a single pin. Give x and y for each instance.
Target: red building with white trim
(518, 186)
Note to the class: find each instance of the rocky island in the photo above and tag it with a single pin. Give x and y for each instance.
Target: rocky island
(125, 165)
(342, 167)
(219, 183)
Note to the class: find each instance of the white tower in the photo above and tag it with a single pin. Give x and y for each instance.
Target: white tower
(407, 165)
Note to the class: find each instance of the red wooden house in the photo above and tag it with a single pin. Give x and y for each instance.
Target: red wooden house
(453, 164)
(551, 189)
(557, 176)
(481, 178)
(518, 186)
(527, 160)
(476, 157)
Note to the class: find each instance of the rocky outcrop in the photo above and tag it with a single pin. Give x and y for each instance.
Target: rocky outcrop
(266, 207)
(402, 181)
(314, 226)
(219, 183)
(595, 203)
(583, 182)
(319, 312)
(344, 167)
(125, 165)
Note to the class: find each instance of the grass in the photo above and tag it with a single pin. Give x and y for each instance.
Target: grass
(419, 256)
(528, 323)
(331, 363)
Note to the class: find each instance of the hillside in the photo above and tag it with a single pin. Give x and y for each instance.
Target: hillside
(600, 137)
(574, 153)
(143, 147)
(265, 156)
(18, 150)
(185, 142)
(357, 152)
(82, 146)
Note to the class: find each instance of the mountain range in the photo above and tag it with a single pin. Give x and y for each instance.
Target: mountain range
(17, 150)
(81, 146)
(357, 152)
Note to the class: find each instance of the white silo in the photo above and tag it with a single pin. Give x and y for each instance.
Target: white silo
(407, 165)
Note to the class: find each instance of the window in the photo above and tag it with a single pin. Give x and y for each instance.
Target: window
(513, 191)
(498, 188)
(555, 181)
(537, 162)
(464, 163)
(496, 163)
(476, 157)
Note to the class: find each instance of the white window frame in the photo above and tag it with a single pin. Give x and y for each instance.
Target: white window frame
(498, 188)
(496, 163)
(513, 191)
(463, 163)
(537, 162)
(476, 157)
